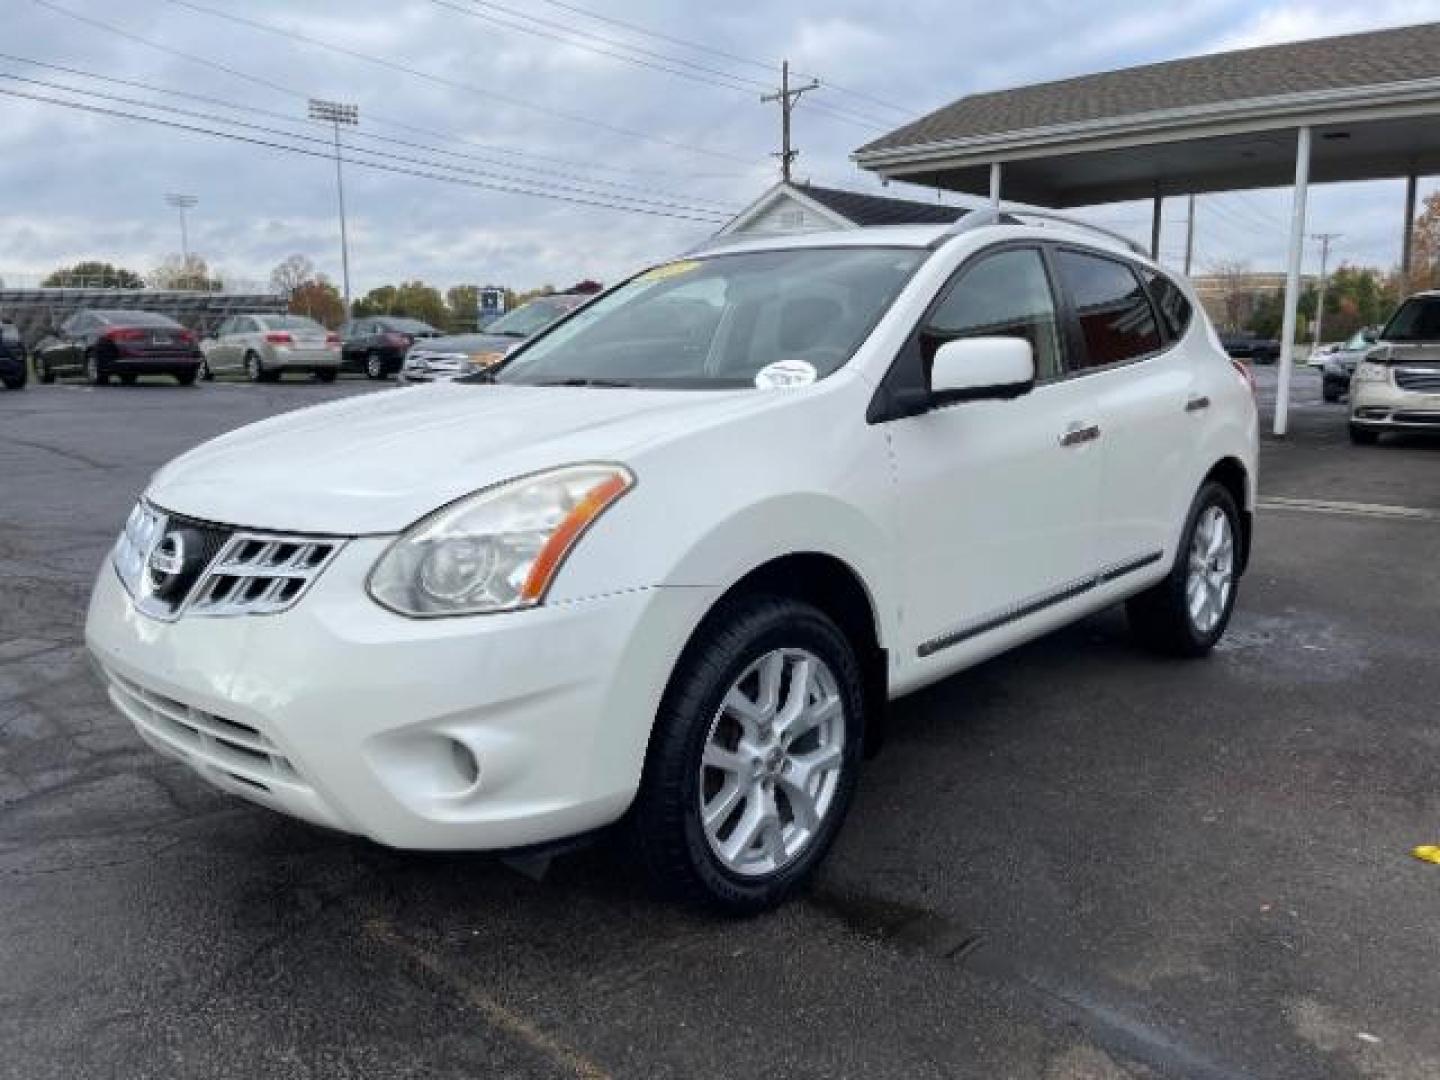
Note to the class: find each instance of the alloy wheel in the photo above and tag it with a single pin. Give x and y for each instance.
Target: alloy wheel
(1212, 569)
(253, 370)
(771, 764)
(374, 367)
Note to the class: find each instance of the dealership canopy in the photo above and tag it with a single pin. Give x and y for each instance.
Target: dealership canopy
(1358, 107)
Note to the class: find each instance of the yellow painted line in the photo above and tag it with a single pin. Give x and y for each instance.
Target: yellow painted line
(1352, 509)
(501, 1016)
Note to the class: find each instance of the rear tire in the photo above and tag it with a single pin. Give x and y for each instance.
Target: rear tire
(43, 372)
(741, 762)
(1187, 613)
(326, 376)
(1330, 393)
(187, 378)
(375, 366)
(1363, 436)
(14, 382)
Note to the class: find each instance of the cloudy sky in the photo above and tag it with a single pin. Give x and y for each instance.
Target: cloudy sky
(531, 96)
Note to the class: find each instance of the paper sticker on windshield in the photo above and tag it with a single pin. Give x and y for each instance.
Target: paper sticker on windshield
(669, 270)
(784, 373)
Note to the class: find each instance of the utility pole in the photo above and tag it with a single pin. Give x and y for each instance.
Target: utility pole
(182, 203)
(336, 113)
(787, 96)
(1324, 238)
(1189, 235)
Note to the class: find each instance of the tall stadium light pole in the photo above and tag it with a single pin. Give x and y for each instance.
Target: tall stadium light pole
(336, 113)
(182, 203)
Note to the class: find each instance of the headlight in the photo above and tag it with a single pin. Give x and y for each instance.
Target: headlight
(132, 548)
(482, 360)
(1368, 372)
(498, 549)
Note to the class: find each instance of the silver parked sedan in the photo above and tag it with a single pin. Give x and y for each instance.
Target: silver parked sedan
(264, 347)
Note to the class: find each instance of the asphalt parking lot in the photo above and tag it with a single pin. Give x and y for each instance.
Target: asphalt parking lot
(1076, 862)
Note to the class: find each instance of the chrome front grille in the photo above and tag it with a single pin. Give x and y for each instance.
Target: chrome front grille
(236, 751)
(258, 574)
(172, 566)
(1425, 380)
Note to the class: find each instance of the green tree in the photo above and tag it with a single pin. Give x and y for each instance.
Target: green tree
(462, 303)
(409, 299)
(94, 274)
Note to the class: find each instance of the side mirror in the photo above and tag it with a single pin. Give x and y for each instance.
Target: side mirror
(1370, 334)
(979, 368)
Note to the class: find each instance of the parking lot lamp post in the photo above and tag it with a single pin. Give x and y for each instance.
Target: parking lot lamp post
(182, 203)
(336, 113)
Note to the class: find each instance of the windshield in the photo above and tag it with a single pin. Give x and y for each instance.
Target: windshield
(527, 319)
(1417, 320)
(722, 321)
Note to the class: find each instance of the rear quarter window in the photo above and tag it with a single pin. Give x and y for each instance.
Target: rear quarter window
(1170, 301)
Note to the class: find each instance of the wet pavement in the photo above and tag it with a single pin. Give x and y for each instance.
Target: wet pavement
(1075, 862)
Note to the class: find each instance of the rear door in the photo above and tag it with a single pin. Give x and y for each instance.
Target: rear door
(996, 499)
(1143, 384)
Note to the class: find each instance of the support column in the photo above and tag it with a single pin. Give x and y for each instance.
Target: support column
(1155, 226)
(995, 184)
(1408, 235)
(1292, 278)
(1189, 235)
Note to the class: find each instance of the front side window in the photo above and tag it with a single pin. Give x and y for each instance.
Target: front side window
(1417, 320)
(1116, 319)
(721, 321)
(1006, 294)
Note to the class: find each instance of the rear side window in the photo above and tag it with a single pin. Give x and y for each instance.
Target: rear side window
(1006, 294)
(1116, 319)
(1174, 308)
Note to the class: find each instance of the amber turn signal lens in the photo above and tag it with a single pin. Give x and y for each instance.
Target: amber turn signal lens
(552, 555)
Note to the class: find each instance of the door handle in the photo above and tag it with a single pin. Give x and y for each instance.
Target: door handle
(1196, 403)
(1078, 433)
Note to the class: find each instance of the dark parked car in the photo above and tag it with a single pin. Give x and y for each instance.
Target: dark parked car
(1257, 350)
(377, 345)
(443, 358)
(97, 344)
(13, 368)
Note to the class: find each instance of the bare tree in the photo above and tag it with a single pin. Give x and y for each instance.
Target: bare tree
(1236, 293)
(293, 271)
(183, 272)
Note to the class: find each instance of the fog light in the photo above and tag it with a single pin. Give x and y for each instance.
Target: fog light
(465, 762)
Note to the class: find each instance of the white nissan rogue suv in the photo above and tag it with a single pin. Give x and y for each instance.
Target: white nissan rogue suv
(667, 563)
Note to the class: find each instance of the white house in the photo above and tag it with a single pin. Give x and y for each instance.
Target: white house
(791, 208)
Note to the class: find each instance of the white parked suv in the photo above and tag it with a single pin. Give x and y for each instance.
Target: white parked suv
(1396, 386)
(686, 545)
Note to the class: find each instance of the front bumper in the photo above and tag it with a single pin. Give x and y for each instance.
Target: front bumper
(1384, 406)
(485, 732)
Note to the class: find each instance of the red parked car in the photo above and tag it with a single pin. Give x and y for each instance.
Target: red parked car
(97, 344)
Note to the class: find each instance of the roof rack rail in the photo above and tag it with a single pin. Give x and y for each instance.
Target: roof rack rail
(989, 216)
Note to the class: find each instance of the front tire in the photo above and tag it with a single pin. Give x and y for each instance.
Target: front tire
(1330, 392)
(375, 366)
(1187, 613)
(95, 375)
(754, 756)
(254, 368)
(1363, 436)
(205, 372)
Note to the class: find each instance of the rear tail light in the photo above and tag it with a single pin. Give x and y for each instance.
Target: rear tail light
(1243, 370)
(125, 333)
(332, 339)
(397, 339)
(279, 337)
(187, 336)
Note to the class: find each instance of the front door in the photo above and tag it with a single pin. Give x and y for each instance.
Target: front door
(997, 500)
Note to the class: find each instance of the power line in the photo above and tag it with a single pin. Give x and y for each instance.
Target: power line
(289, 118)
(763, 65)
(673, 65)
(303, 95)
(329, 156)
(210, 117)
(454, 84)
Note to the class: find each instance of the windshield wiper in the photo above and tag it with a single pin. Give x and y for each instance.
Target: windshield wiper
(619, 383)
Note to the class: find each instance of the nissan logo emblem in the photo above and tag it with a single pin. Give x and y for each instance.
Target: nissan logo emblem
(167, 562)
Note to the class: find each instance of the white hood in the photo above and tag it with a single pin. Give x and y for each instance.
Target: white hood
(377, 463)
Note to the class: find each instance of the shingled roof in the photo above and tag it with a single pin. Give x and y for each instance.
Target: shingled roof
(1377, 58)
(865, 210)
